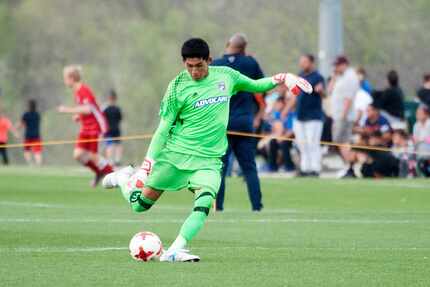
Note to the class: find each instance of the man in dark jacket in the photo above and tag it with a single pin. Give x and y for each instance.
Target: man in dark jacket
(243, 107)
(391, 100)
(424, 92)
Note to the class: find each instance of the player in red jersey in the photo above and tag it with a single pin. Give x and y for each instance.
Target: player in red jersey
(92, 121)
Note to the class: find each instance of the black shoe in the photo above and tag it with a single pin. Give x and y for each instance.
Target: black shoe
(97, 178)
(257, 209)
(303, 174)
(314, 174)
(350, 174)
(289, 168)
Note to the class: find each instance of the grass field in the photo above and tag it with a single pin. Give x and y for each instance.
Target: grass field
(56, 231)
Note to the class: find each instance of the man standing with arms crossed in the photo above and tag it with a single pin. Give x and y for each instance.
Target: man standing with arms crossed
(243, 107)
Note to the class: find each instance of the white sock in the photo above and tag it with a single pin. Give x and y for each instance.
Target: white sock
(128, 180)
(179, 243)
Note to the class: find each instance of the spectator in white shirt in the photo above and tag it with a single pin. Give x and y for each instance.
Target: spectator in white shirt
(421, 137)
(422, 127)
(343, 88)
(362, 100)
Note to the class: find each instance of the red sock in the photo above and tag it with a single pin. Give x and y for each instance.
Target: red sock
(106, 169)
(91, 165)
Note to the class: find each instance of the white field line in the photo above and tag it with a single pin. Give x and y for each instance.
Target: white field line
(31, 204)
(316, 248)
(163, 207)
(404, 184)
(45, 171)
(214, 248)
(62, 249)
(219, 221)
(159, 207)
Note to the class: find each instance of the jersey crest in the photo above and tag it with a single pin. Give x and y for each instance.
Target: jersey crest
(221, 86)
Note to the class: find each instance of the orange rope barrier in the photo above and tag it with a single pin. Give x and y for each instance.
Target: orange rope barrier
(148, 136)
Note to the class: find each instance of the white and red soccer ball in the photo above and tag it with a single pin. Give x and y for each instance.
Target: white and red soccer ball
(145, 246)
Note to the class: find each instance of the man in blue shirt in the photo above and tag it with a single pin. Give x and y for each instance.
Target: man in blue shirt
(30, 120)
(375, 122)
(309, 123)
(243, 107)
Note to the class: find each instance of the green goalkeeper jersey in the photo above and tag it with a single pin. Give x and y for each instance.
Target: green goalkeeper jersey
(194, 114)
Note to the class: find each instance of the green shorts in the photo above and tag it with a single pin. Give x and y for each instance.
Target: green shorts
(174, 171)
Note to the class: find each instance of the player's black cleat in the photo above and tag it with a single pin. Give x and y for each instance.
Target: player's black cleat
(97, 178)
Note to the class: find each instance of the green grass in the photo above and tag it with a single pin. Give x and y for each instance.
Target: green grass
(55, 231)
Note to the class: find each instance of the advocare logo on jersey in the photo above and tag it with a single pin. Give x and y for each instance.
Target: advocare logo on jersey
(210, 101)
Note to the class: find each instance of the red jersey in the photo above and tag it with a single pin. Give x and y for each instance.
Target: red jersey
(5, 125)
(95, 122)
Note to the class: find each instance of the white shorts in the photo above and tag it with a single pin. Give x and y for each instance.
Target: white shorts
(342, 131)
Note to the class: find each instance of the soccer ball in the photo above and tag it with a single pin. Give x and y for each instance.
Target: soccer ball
(145, 246)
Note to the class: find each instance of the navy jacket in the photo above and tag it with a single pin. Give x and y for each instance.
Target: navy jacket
(242, 105)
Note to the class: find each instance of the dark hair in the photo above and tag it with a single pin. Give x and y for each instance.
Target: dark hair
(195, 48)
(374, 106)
(112, 94)
(32, 105)
(393, 78)
(401, 133)
(426, 77)
(362, 71)
(280, 99)
(376, 134)
(310, 57)
(341, 59)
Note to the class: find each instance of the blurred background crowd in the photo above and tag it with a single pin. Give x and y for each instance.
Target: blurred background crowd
(346, 125)
(389, 133)
(305, 134)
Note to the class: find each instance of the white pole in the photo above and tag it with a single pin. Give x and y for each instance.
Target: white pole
(330, 34)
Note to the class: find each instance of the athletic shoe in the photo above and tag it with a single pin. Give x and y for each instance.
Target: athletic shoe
(118, 178)
(267, 169)
(181, 255)
(314, 174)
(349, 174)
(107, 169)
(97, 178)
(289, 169)
(303, 174)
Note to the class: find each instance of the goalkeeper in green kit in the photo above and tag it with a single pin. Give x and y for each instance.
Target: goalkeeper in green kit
(186, 149)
